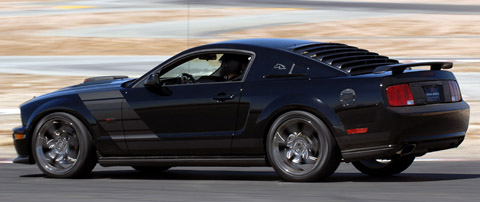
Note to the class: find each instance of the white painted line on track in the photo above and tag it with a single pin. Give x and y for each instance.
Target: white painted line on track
(9, 111)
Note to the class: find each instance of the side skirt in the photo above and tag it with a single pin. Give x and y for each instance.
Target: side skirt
(240, 161)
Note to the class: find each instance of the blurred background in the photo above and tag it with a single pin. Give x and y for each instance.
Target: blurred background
(49, 44)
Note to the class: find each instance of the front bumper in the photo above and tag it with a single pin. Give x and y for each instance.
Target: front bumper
(22, 146)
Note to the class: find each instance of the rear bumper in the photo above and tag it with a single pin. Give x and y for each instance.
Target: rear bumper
(22, 147)
(426, 128)
(416, 147)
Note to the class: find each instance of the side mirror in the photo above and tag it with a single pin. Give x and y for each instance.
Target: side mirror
(151, 81)
(153, 84)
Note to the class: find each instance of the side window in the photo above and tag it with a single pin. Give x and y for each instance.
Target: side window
(284, 67)
(207, 68)
(204, 65)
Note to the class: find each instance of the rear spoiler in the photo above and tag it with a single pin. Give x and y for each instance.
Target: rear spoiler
(103, 78)
(399, 68)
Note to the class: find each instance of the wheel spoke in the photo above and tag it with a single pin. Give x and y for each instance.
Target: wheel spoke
(72, 160)
(46, 143)
(51, 155)
(279, 140)
(289, 154)
(297, 159)
(290, 140)
(66, 130)
(52, 131)
(63, 163)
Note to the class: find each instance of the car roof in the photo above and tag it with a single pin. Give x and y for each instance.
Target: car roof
(268, 43)
(349, 59)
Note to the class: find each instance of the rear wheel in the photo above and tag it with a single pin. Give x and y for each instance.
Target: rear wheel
(150, 169)
(384, 167)
(62, 146)
(300, 147)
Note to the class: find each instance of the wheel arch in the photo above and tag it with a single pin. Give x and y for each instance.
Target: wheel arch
(305, 103)
(65, 105)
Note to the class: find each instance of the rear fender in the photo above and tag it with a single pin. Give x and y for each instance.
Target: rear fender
(306, 103)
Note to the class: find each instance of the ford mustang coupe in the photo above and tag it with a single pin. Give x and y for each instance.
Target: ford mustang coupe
(301, 107)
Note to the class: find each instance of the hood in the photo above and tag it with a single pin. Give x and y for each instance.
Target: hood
(87, 87)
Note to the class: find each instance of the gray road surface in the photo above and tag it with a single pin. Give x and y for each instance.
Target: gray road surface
(315, 11)
(372, 6)
(212, 27)
(424, 181)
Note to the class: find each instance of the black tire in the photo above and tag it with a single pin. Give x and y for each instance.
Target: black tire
(301, 148)
(61, 137)
(384, 168)
(150, 169)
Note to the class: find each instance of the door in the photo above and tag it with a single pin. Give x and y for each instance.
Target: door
(192, 115)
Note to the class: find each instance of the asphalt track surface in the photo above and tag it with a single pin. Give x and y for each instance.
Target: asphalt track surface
(423, 181)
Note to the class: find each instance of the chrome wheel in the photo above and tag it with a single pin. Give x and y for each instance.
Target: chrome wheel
(57, 146)
(296, 146)
(301, 148)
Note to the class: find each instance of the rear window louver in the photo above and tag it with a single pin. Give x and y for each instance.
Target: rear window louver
(347, 58)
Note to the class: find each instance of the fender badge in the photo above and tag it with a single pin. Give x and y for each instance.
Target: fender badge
(279, 66)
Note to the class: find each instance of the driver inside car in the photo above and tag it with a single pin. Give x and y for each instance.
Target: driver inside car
(233, 67)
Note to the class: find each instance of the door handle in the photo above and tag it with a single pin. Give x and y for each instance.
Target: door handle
(223, 97)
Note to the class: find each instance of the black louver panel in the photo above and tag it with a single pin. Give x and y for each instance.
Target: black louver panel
(319, 54)
(366, 68)
(347, 58)
(304, 49)
(320, 49)
(352, 64)
(331, 57)
(342, 60)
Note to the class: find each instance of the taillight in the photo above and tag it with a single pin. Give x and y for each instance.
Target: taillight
(400, 95)
(454, 91)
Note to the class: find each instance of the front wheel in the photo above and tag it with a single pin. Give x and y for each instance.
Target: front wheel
(384, 167)
(300, 147)
(62, 146)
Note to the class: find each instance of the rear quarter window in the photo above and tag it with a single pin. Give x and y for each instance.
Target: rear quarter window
(279, 67)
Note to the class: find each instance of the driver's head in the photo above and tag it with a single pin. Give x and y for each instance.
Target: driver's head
(232, 65)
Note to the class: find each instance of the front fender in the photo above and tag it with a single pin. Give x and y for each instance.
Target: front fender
(69, 104)
(35, 110)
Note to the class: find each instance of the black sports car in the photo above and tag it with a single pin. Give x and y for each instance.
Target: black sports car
(299, 106)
